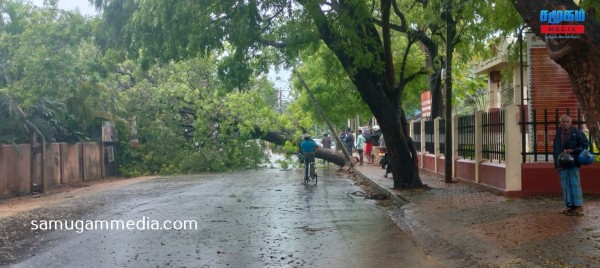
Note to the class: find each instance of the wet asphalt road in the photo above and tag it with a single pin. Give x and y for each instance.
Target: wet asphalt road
(257, 218)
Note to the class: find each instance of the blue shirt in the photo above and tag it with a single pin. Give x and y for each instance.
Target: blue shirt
(308, 146)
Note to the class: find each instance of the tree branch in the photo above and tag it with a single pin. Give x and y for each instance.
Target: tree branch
(399, 14)
(272, 43)
(387, 42)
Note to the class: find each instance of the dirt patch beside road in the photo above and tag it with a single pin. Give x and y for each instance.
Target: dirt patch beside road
(15, 205)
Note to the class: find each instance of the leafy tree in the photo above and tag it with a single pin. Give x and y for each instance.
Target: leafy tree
(464, 23)
(18, 123)
(185, 119)
(579, 56)
(331, 86)
(47, 54)
(264, 32)
(472, 94)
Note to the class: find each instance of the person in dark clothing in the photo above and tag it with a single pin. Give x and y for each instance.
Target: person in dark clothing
(308, 147)
(348, 141)
(385, 161)
(572, 141)
(326, 141)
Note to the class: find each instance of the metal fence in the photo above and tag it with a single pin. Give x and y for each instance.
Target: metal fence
(544, 128)
(466, 136)
(540, 131)
(429, 136)
(416, 135)
(492, 127)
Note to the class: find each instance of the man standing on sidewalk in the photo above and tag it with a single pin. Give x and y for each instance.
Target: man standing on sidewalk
(570, 141)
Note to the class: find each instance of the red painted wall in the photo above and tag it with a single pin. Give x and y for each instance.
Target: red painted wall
(429, 162)
(493, 174)
(441, 165)
(590, 178)
(539, 178)
(542, 178)
(465, 169)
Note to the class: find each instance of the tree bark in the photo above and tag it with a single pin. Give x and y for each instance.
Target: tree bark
(280, 138)
(371, 82)
(579, 56)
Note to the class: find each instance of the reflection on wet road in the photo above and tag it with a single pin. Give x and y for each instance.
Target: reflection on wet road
(257, 218)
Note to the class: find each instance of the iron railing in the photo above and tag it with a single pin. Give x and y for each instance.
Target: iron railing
(544, 128)
(416, 135)
(492, 127)
(429, 137)
(541, 130)
(466, 136)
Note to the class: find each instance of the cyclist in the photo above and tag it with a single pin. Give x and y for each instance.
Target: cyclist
(308, 147)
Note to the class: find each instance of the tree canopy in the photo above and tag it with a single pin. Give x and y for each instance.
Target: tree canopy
(191, 74)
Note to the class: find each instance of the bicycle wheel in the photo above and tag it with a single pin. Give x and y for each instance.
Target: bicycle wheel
(306, 172)
(313, 173)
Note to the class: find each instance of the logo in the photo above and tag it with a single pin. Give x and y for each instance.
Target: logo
(554, 19)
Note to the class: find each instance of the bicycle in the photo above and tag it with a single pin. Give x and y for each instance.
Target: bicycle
(312, 172)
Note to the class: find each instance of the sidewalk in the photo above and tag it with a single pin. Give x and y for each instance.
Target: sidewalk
(461, 226)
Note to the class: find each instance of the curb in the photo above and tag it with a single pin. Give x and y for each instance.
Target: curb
(451, 250)
(399, 200)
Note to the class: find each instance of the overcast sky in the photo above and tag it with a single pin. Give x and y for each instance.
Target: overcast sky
(279, 77)
(70, 5)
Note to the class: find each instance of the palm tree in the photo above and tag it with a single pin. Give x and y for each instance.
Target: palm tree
(19, 123)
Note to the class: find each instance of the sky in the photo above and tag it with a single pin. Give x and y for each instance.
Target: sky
(279, 77)
(70, 5)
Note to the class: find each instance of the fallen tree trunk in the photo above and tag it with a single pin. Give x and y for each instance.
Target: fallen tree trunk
(330, 156)
(280, 138)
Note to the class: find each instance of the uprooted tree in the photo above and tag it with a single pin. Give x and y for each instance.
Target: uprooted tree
(280, 137)
(259, 33)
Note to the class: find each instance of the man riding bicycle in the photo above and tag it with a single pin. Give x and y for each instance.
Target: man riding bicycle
(308, 147)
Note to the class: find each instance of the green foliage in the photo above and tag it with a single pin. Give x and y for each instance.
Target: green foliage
(224, 122)
(469, 90)
(48, 62)
(173, 30)
(142, 60)
(332, 88)
(18, 122)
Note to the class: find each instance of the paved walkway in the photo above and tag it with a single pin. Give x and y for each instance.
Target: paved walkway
(461, 226)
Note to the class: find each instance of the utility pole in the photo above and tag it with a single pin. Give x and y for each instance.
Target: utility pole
(281, 100)
(522, 90)
(448, 121)
(326, 119)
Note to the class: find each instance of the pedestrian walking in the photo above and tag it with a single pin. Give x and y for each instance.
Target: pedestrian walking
(360, 143)
(348, 141)
(385, 161)
(568, 143)
(343, 137)
(369, 145)
(326, 141)
(375, 135)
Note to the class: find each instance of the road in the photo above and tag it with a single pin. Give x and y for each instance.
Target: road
(254, 218)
